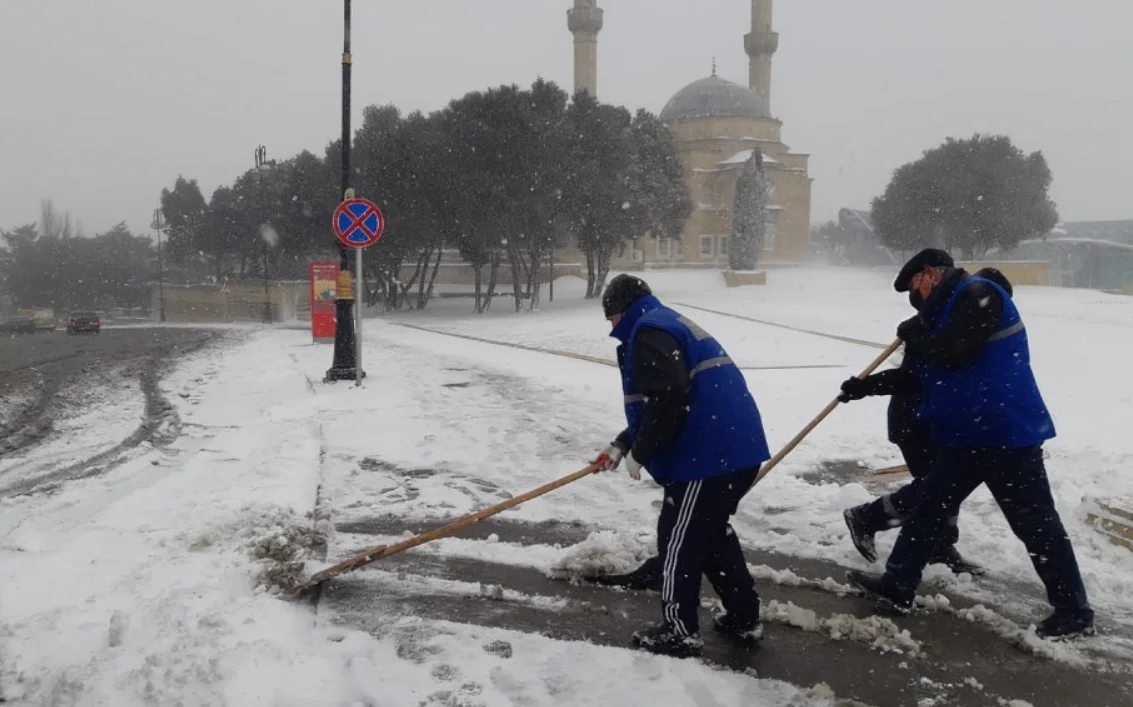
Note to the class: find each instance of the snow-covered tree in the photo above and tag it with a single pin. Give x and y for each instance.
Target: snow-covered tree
(968, 195)
(749, 221)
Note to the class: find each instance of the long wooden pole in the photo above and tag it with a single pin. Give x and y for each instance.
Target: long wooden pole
(774, 461)
(381, 551)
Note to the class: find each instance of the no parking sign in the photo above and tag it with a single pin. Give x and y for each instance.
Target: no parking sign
(358, 223)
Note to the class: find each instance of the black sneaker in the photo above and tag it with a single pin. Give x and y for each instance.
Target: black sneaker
(1064, 626)
(956, 562)
(860, 534)
(744, 632)
(874, 587)
(664, 640)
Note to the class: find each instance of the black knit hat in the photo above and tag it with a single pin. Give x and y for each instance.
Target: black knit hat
(622, 292)
(927, 258)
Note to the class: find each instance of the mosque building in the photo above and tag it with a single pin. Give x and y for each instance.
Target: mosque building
(717, 125)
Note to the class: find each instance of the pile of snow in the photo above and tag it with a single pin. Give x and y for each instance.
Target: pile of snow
(604, 552)
(408, 583)
(279, 540)
(880, 633)
(788, 578)
(934, 603)
(1026, 639)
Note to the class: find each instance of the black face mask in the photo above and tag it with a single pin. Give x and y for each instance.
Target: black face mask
(916, 299)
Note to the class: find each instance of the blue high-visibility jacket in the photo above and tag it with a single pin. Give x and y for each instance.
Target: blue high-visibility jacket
(992, 401)
(723, 432)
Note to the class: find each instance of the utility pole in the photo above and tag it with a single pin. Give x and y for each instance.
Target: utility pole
(344, 366)
(261, 167)
(158, 225)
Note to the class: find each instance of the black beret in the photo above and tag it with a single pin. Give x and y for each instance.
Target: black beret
(927, 258)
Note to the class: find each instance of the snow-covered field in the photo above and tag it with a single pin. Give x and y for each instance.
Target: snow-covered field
(141, 587)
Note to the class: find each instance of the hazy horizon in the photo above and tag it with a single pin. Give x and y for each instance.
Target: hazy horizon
(130, 94)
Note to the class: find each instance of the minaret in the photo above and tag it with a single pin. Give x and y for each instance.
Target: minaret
(585, 22)
(761, 45)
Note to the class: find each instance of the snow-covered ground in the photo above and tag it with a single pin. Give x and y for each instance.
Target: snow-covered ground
(142, 587)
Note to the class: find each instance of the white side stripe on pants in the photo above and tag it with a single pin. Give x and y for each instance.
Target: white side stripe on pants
(676, 539)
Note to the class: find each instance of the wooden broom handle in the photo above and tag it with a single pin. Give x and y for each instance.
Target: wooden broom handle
(381, 551)
(377, 553)
(774, 461)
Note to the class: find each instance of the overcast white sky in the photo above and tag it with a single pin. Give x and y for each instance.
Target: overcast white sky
(104, 102)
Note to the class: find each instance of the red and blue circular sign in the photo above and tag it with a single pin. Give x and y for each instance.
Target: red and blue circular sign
(358, 223)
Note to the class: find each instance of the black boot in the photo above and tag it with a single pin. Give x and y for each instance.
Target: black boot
(743, 631)
(646, 578)
(1066, 626)
(860, 533)
(956, 562)
(629, 581)
(875, 587)
(664, 640)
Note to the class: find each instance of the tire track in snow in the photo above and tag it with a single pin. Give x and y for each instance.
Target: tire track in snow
(161, 425)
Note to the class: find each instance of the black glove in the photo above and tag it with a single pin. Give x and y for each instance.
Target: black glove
(854, 389)
(912, 330)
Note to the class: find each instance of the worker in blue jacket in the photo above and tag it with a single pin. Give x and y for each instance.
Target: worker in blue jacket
(694, 426)
(989, 422)
(910, 431)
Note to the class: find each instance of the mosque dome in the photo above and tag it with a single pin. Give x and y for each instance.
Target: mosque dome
(714, 97)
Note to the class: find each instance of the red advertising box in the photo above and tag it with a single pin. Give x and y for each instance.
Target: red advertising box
(324, 278)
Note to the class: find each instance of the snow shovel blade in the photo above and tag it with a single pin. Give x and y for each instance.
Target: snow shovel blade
(377, 553)
(305, 589)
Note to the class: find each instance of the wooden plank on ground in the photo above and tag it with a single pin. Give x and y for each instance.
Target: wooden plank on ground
(1113, 518)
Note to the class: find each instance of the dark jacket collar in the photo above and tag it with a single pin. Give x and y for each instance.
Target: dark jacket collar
(934, 303)
(635, 312)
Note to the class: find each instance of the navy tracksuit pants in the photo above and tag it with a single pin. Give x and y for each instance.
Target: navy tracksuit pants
(890, 511)
(1018, 481)
(694, 538)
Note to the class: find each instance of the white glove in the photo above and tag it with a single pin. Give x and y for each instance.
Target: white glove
(610, 458)
(633, 467)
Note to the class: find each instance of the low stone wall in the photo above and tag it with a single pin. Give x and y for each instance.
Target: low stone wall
(291, 301)
(734, 278)
(232, 303)
(459, 273)
(1019, 272)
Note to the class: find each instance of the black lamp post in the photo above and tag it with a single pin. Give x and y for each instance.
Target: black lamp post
(344, 366)
(262, 166)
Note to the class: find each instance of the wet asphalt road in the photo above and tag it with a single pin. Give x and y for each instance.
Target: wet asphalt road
(963, 663)
(40, 374)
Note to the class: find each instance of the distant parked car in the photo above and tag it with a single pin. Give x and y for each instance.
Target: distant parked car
(19, 325)
(83, 323)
